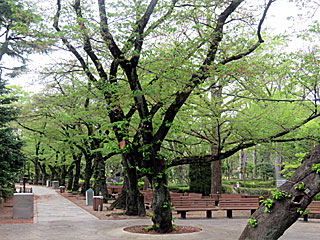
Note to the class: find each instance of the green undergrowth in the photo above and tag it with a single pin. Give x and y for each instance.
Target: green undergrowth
(256, 191)
(6, 193)
(252, 183)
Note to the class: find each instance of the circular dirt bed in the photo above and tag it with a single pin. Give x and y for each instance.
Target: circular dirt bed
(143, 229)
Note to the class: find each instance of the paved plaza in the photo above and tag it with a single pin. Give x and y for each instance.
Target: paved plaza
(56, 218)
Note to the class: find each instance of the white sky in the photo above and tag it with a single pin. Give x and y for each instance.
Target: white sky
(277, 20)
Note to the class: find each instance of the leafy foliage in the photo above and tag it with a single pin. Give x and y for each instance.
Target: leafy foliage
(18, 35)
(11, 159)
(253, 222)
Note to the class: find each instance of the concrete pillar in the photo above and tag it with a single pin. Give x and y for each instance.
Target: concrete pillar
(23, 205)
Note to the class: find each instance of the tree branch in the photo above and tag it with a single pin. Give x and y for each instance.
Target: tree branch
(72, 49)
(31, 129)
(198, 77)
(260, 40)
(87, 44)
(105, 32)
(243, 145)
(139, 33)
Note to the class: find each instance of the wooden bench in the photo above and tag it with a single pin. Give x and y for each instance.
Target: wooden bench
(176, 195)
(194, 195)
(314, 208)
(230, 195)
(186, 204)
(114, 190)
(217, 197)
(230, 204)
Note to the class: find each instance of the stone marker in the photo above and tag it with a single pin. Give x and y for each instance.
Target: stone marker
(280, 182)
(55, 184)
(97, 203)
(48, 183)
(89, 197)
(23, 205)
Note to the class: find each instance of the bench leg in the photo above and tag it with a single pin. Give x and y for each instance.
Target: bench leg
(209, 214)
(183, 214)
(305, 218)
(252, 211)
(229, 213)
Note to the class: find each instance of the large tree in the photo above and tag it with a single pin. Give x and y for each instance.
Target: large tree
(11, 160)
(18, 36)
(143, 107)
(257, 104)
(14, 25)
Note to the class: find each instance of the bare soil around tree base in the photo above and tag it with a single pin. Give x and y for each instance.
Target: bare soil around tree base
(144, 229)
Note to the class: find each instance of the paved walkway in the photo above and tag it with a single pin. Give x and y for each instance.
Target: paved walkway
(50, 206)
(56, 218)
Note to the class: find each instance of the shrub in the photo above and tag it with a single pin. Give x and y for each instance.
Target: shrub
(316, 197)
(255, 191)
(258, 184)
(6, 193)
(227, 189)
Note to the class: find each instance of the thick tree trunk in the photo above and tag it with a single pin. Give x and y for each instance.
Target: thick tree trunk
(254, 160)
(36, 171)
(216, 172)
(100, 184)
(216, 178)
(134, 198)
(36, 164)
(180, 172)
(285, 212)
(120, 202)
(44, 173)
(277, 167)
(76, 185)
(243, 165)
(54, 175)
(161, 205)
(63, 174)
(70, 177)
(87, 174)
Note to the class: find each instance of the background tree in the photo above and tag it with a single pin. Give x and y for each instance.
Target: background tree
(19, 36)
(11, 160)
